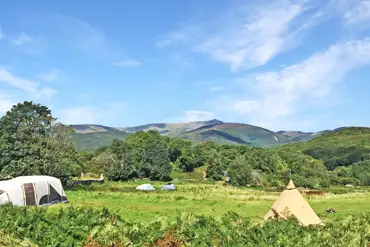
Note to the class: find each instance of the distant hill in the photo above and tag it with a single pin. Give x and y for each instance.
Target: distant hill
(91, 137)
(235, 133)
(340, 147)
(94, 140)
(172, 129)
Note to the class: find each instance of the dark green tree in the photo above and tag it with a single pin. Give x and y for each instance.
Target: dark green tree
(148, 152)
(176, 147)
(240, 171)
(31, 142)
(215, 168)
(187, 161)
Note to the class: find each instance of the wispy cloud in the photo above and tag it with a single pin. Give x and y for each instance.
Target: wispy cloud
(88, 114)
(256, 41)
(47, 92)
(22, 39)
(6, 103)
(127, 63)
(249, 35)
(21, 89)
(358, 13)
(185, 34)
(82, 36)
(18, 82)
(284, 93)
(191, 116)
(1, 34)
(52, 76)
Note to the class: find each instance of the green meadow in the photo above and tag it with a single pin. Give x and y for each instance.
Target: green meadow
(205, 199)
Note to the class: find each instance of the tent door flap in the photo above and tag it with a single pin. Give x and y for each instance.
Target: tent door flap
(29, 191)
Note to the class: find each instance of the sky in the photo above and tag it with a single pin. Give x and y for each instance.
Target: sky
(282, 64)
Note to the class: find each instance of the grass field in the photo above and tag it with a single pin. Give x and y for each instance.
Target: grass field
(206, 199)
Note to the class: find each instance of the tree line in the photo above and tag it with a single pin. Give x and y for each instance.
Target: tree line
(32, 142)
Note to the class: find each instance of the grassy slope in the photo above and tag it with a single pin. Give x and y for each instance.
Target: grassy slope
(88, 128)
(228, 133)
(171, 129)
(343, 146)
(232, 133)
(207, 199)
(95, 140)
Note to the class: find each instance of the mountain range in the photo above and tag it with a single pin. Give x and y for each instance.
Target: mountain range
(91, 137)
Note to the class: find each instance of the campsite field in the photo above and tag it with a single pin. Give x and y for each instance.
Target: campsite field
(205, 199)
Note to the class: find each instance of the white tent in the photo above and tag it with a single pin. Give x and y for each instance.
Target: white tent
(145, 187)
(292, 203)
(168, 187)
(32, 190)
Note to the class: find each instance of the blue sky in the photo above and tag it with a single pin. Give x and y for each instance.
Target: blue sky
(297, 65)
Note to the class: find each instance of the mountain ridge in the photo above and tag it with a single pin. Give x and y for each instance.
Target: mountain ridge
(94, 136)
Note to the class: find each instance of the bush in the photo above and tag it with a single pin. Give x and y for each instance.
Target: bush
(92, 227)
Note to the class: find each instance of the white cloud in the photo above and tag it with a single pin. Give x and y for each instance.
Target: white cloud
(1, 34)
(128, 63)
(47, 92)
(24, 84)
(359, 13)
(6, 103)
(52, 76)
(250, 35)
(79, 115)
(22, 39)
(21, 89)
(91, 114)
(192, 116)
(308, 84)
(254, 41)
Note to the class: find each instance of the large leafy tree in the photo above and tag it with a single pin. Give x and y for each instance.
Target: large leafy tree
(143, 154)
(32, 143)
(215, 168)
(240, 171)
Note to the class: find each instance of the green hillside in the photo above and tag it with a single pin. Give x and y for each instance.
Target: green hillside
(341, 147)
(91, 137)
(172, 129)
(94, 140)
(234, 133)
(297, 135)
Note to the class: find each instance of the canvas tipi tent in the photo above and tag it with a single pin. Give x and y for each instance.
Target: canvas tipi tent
(32, 190)
(292, 203)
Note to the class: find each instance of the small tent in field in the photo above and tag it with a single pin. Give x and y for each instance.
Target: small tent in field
(145, 187)
(32, 190)
(292, 203)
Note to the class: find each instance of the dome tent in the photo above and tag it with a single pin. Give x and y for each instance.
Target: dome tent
(145, 187)
(32, 190)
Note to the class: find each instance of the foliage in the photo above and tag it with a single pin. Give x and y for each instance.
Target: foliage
(143, 154)
(95, 140)
(215, 167)
(31, 142)
(356, 174)
(240, 171)
(92, 137)
(83, 226)
(342, 147)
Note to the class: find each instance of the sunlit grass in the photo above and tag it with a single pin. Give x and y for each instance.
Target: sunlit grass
(207, 199)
